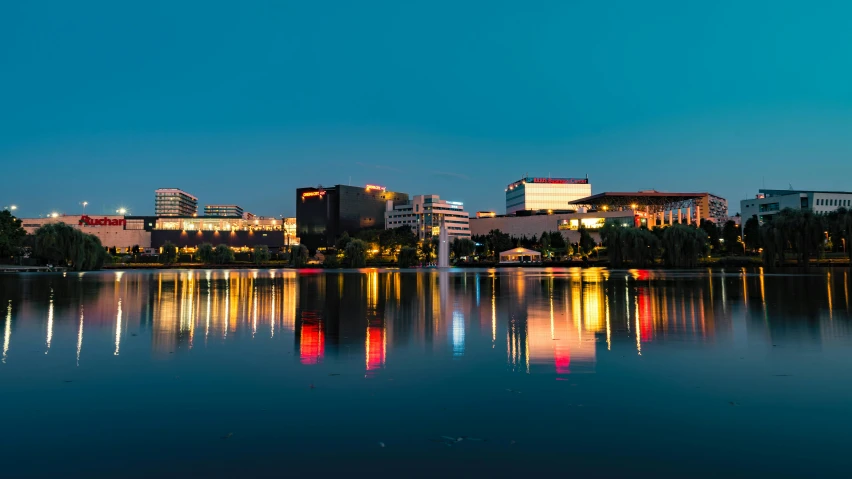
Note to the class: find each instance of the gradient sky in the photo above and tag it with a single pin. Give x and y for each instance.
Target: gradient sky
(242, 102)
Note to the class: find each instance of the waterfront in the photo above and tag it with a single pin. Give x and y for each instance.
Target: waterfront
(582, 372)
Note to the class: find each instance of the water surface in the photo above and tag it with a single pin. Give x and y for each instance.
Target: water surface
(583, 373)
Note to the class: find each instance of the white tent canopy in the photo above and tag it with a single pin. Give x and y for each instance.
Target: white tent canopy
(520, 255)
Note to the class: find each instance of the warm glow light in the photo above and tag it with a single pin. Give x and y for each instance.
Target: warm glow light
(309, 194)
(633, 206)
(375, 188)
(54, 215)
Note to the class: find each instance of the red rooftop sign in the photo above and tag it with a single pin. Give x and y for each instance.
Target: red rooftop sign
(561, 181)
(89, 221)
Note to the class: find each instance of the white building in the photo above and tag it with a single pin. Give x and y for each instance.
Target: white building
(537, 194)
(174, 202)
(423, 215)
(770, 202)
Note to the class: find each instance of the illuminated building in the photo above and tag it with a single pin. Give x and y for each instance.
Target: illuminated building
(423, 215)
(770, 202)
(324, 214)
(533, 194)
(114, 231)
(486, 214)
(238, 233)
(174, 202)
(228, 211)
(566, 223)
(655, 208)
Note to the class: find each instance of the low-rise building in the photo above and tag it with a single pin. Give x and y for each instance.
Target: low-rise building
(423, 215)
(228, 211)
(769, 202)
(566, 223)
(119, 232)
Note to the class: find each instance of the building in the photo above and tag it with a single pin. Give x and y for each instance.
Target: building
(654, 208)
(119, 232)
(238, 233)
(534, 194)
(227, 211)
(174, 202)
(423, 215)
(324, 214)
(566, 223)
(769, 202)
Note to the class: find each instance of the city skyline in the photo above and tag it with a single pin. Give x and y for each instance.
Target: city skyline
(244, 104)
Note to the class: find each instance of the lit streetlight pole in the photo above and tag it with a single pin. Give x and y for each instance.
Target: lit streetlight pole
(84, 206)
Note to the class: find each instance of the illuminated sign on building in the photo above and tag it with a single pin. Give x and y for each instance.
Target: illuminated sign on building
(375, 188)
(550, 181)
(89, 221)
(311, 194)
(486, 214)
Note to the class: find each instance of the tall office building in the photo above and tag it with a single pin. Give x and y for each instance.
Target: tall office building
(324, 214)
(174, 202)
(423, 215)
(227, 211)
(534, 194)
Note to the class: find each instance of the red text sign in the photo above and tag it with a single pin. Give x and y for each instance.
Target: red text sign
(89, 221)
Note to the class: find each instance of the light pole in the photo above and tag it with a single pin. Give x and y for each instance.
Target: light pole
(84, 206)
(10, 207)
(121, 211)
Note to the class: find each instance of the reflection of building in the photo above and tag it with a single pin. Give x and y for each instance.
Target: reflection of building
(423, 214)
(324, 214)
(770, 202)
(174, 202)
(239, 233)
(229, 211)
(534, 194)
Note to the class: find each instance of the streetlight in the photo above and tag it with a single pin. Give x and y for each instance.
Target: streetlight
(10, 208)
(54, 215)
(121, 211)
(84, 206)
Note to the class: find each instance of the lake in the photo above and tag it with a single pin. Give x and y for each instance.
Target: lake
(459, 373)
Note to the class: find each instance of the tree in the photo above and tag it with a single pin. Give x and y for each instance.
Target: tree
(713, 234)
(545, 245)
(751, 234)
(407, 257)
(683, 245)
(637, 245)
(205, 254)
(341, 242)
(462, 247)
(298, 255)
(135, 249)
(261, 254)
(498, 242)
(426, 251)
(223, 254)
(587, 244)
(355, 254)
(731, 235)
(11, 235)
(61, 244)
(169, 253)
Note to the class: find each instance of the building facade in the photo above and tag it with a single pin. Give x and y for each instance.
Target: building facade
(566, 223)
(227, 211)
(541, 194)
(423, 215)
(174, 202)
(769, 202)
(324, 214)
(119, 232)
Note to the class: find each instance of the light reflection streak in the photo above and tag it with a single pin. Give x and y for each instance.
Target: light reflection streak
(828, 287)
(638, 329)
(7, 331)
(49, 322)
(118, 329)
(80, 336)
(493, 313)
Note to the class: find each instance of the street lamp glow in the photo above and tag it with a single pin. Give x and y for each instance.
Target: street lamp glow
(121, 211)
(54, 215)
(13, 207)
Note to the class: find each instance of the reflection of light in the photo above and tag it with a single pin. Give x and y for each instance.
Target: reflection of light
(638, 330)
(49, 321)
(458, 333)
(311, 341)
(117, 328)
(830, 305)
(493, 313)
(80, 336)
(254, 312)
(376, 347)
(7, 330)
(762, 290)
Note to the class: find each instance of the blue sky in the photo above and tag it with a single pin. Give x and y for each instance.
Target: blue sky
(107, 101)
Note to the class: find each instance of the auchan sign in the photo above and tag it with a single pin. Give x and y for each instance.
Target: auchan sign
(89, 221)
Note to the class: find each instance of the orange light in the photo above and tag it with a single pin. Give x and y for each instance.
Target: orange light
(375, 188)
(309, 194)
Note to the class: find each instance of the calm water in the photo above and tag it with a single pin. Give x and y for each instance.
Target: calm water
(580, 373)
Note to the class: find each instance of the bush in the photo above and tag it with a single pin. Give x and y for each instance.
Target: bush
(223, 254)
(407, 257)
(331, 261)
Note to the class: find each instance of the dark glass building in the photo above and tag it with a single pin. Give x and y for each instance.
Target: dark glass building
(323, 214)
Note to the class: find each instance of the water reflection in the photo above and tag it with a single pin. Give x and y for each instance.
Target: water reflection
(558, 321)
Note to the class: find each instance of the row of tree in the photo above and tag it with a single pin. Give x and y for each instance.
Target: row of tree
(551, 244)
(679, 246)
(802, 234)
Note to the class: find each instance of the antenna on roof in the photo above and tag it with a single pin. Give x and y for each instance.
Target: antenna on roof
(791, 185)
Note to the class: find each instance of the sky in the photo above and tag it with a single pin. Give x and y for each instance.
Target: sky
(243, 102)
